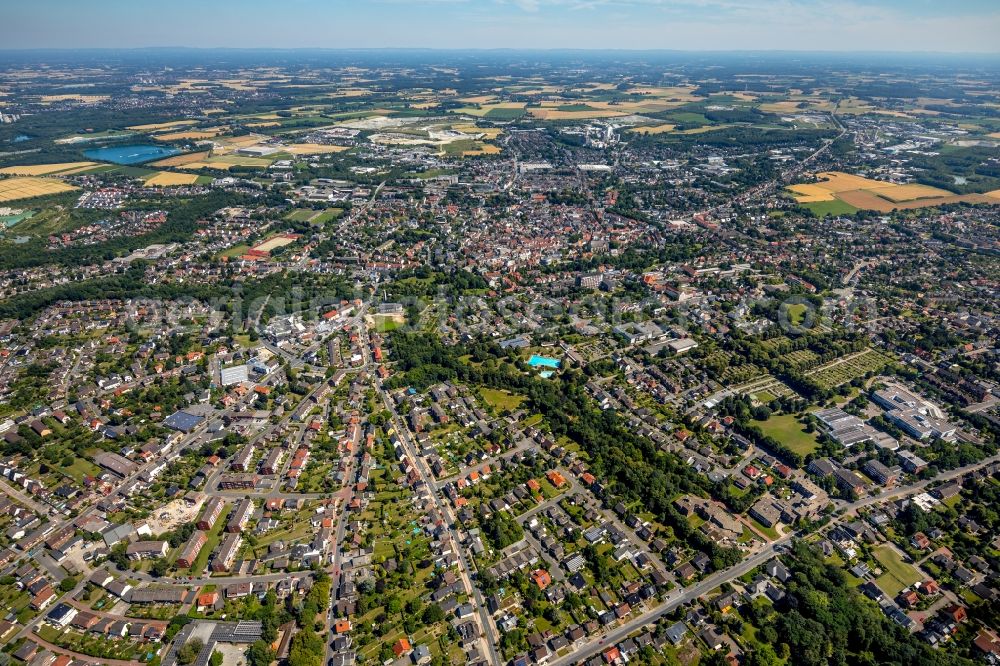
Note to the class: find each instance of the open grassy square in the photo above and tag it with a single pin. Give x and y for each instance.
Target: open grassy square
(787, 430)
(897, 574)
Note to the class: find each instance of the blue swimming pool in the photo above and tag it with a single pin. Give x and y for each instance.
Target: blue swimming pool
(543, 361)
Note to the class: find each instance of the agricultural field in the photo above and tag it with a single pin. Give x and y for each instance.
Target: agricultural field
(858, 192)
(170, 179)
(192, 135)
(314, 149)
(654, 129)
(226, 162)
(153, 127)
(64, 168)
(498, 111)
(483, 149)
(12, 189)
(833, 207)
(182, 160)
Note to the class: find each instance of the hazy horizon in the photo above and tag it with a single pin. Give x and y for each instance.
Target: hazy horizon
(965, 27)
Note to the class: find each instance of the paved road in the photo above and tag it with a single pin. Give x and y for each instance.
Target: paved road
(489, 636)
(679, 597)
(19, 496)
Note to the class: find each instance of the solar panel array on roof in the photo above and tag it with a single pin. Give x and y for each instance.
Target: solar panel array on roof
(183, 421)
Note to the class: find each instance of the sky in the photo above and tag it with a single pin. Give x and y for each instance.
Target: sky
(963, 26)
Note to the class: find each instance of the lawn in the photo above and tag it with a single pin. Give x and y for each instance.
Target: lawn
(214, 537)
(236, 251)
(897, 574)
(328, 215)
(387, 323)
(796, 313)
(501, 400)
(81, 467)
(787, 430)
(300, 215)
(764, 397)
(770, 532)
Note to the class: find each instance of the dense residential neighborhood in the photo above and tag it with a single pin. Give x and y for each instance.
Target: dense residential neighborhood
(484, 362)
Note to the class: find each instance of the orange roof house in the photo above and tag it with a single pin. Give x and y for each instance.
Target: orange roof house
(541, 578)
(401, 647)
(555, 478)
(207, 599)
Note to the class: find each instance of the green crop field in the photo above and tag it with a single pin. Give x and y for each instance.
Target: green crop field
(834, 208)
(504, 114)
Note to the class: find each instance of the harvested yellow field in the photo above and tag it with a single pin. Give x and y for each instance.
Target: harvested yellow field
(910, 192)
(264, 124)
(193, 135)
(837, 181)
(654, 129)
(871, 200)
(77, 170)
(490, 133)
(182, 160)
(868, 194)
(314, 149)
(555, 114)
(788, 106)
(169, 179)
(347, 93)
(152, 127)
(27, 188)
(45, 169)
(486, 108)
(225, 162)
(806, 193)
(485, 149)
(994, 135)
(995, 194)
(229, 143)
(478, 99)
(814, 198)
(703, 129)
